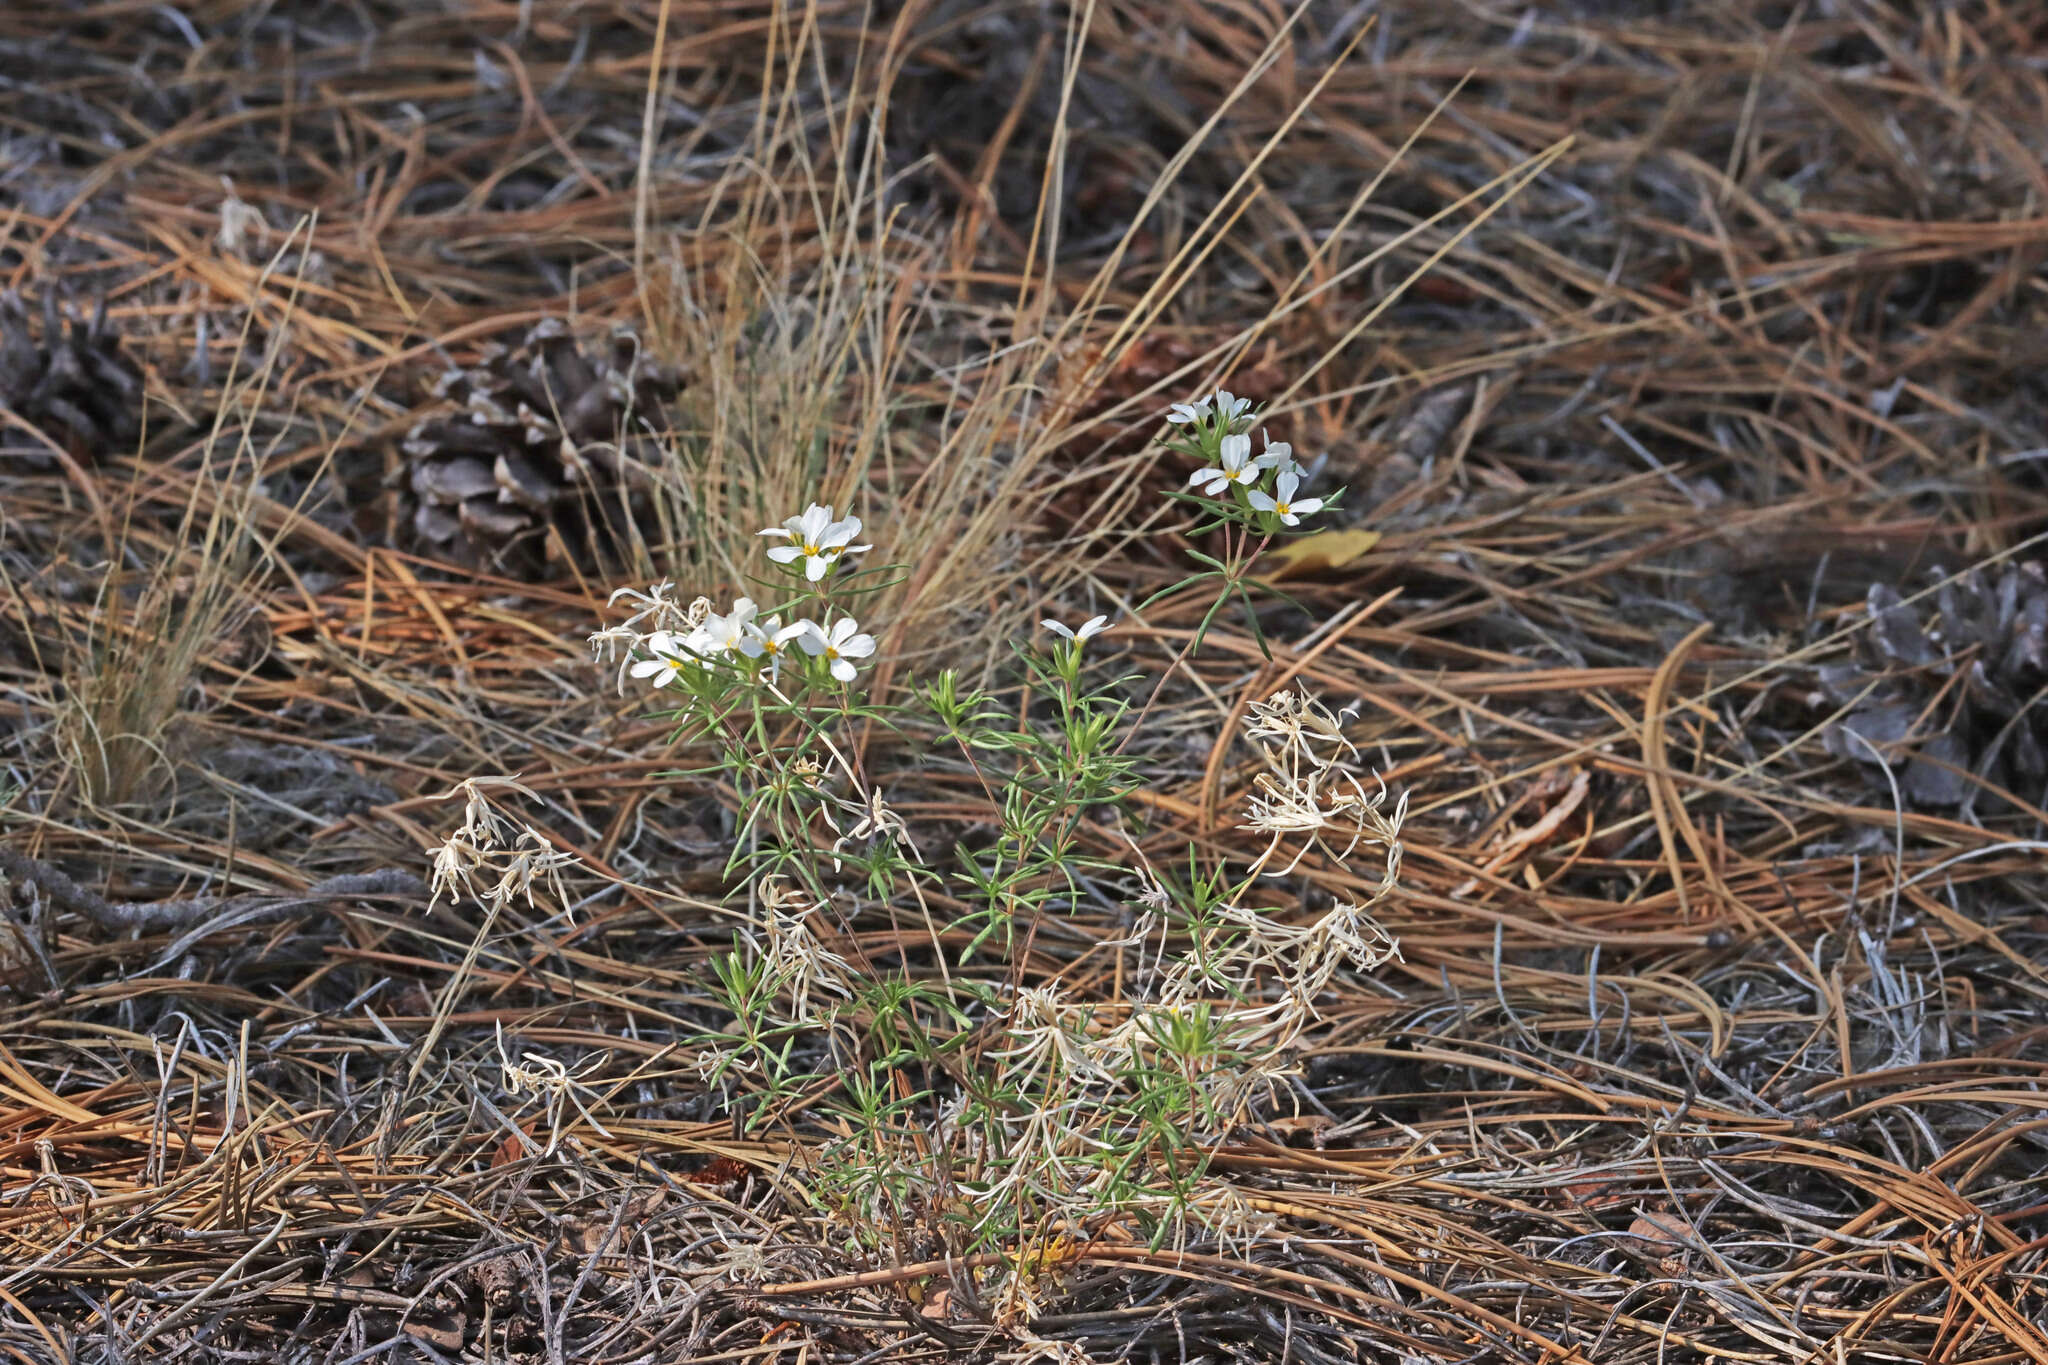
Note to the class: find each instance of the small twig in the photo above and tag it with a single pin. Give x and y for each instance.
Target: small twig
(868, 1279)
(152, 916)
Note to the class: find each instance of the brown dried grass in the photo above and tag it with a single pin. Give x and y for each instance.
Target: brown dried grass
(1702, 1045)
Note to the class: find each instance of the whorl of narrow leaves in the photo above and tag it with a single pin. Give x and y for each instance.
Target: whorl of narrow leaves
(548, 432)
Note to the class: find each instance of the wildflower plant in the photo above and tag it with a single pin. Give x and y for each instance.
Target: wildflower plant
(973, 1102)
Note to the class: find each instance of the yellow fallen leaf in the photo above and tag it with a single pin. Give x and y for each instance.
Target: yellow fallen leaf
(1323, 551)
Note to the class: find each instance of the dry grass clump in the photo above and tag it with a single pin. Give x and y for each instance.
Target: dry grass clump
(1646, 345)
(124, 638)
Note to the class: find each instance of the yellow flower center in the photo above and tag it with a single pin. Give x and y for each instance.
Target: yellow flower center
(1282, 508)
(810, 549)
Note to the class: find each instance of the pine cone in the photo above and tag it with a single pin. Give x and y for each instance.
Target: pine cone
(542, 434)
(72, 382)
(1990, 627)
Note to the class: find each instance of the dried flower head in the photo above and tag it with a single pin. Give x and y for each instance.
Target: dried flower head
(793, 951)
(1298, 722)
(658, 628)
(1308, 788)
(491, 857)
(872, 820)
(549, 1080)
(1048, 1037)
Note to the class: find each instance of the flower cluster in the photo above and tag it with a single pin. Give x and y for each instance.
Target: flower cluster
(1217, 431)
(686, 640)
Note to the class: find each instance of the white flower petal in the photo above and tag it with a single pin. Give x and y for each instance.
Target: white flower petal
(1057, 629)
(814, 523)
(1260, 499)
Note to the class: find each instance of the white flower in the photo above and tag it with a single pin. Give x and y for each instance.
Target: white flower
(1289, 511)
(765, 639)
(671, 657)
(839, 643)
(816, 539)
(1237, 467)
(1223, 402)
(1094, 625)
(721, 633)
(1278, 455)
(1231, 407)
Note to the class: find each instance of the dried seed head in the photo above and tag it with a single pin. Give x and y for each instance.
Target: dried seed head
(1300, 726)
(794, 952)
(491, 857)
(1309, 787)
